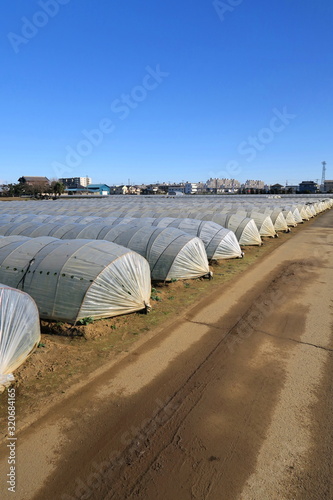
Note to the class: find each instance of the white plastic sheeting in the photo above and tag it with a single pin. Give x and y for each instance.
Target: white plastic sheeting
(171, 253)
(207, 208)
(220, 243)
(19, 331)
(278, 219)
(295, 213)
(145, 206)
(304, 212)
(289, 218)
(71, 280)
(263, 222)
(244, 228)
(160, 246)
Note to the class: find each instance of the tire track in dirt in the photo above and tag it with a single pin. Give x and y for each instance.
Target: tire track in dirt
(168, 441)
(198, 427)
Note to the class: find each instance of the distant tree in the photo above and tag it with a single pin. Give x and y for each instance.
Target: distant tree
(57, 188)
(5, 190)
(35, 190)
(13, 189)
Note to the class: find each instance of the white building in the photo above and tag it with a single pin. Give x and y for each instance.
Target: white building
(176, 188)
(223, 185)
(191, 188)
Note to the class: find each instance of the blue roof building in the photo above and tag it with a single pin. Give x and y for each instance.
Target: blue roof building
(99, 189)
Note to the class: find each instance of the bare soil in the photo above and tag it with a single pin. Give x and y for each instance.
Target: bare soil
(67, 353)
(13, 198)
(225, 391)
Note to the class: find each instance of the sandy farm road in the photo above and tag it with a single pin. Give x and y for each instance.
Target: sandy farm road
(234, 402)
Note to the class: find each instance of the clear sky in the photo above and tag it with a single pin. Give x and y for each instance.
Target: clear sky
(166, 91)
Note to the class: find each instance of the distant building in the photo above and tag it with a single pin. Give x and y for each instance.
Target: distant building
(276, 188)
(201, 188)
(101, 189)
(151, 189)
(134, 190)
(291, 189)
(141, 188)
(216, 185)
(252, 184)
(75, 182)
(128, 189)
(176, 188)
(33, 181)
(98, 189)
(308, 187)
(328, 187)
(191, 188)
(122, 189)
(230, 185)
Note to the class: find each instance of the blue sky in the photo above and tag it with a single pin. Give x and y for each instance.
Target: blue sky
(166, 91)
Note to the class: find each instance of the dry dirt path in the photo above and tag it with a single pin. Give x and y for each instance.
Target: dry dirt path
(234, 402)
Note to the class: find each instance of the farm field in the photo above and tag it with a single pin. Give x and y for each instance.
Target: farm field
(166, 249)
(187, 361)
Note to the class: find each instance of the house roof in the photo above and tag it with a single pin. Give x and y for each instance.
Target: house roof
(35, 179)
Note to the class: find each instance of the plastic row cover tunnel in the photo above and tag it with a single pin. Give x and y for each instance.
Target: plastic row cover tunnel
(220, 243)
(244, 228)
(19, 331)
(263, 222)
(126, 206)
(171, 253)
(71, 280)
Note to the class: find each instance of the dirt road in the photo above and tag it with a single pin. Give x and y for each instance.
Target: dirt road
(233, 402)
